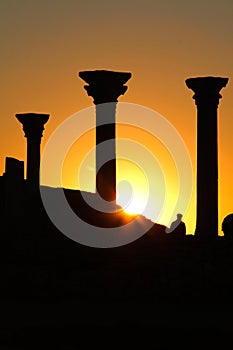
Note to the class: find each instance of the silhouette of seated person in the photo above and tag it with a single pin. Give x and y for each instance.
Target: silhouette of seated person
(227, 226)
(177, 227)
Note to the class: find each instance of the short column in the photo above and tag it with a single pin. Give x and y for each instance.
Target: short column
(33, 126)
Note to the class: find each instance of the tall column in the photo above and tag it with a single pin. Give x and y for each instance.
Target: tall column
(206, 96)
(33, 126)
(105, 87)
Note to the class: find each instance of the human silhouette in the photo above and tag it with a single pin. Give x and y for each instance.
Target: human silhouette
(178, 226)
(227, 226)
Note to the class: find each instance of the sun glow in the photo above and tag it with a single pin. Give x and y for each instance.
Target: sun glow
(146, 174)
(132, 204)
(132, 191)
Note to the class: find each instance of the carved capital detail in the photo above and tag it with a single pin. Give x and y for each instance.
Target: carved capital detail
(206, 89)
(33, 125)
(105, 86)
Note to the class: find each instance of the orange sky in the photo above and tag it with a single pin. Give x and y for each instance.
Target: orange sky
(44, 44)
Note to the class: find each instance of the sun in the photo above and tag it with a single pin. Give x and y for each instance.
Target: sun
(134, 208)
(132, 202)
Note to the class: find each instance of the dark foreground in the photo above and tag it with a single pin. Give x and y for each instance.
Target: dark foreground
(158, 291)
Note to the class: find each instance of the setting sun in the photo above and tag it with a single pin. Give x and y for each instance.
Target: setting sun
(134, 208)
(132, 202)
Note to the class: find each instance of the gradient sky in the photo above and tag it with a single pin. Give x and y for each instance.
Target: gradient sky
(44, 44)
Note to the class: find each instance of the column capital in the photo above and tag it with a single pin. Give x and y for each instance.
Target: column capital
(105, 86)
(33, 124)
(206, 89)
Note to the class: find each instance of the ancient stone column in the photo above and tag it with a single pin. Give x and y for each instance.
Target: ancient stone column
(206, 96)
(33, 126)
(105, 87)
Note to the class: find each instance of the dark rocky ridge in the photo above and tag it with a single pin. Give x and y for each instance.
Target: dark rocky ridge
(151, 282)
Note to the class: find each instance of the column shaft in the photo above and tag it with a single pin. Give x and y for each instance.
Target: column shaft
(207, 171)
(33, 163)
(106, 154)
